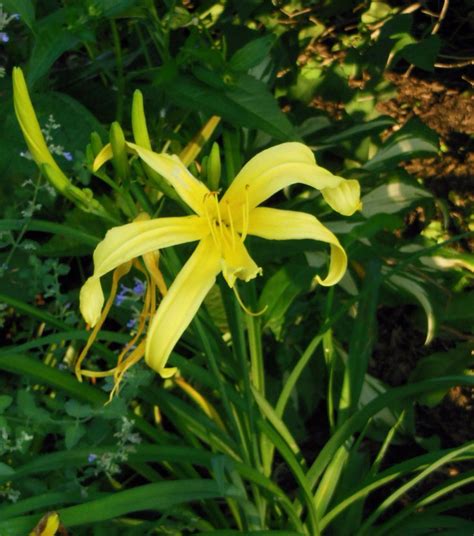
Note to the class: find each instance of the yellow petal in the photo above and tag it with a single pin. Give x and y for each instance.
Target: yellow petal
(127, 242)
(274, 169)
(104, 156)
(180, 304)
(191, 190)
(275, 224)
(30, 127)
(236, 262)
(48, 525)
(345, 198)
(91, 299)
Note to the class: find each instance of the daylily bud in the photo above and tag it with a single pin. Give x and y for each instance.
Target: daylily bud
(344, 198)
(214, 168)
(140, 130)
(96, 143)
(119, 150)
(31, 129)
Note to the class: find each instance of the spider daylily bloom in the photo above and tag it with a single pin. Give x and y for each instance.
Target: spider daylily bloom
(220, 227)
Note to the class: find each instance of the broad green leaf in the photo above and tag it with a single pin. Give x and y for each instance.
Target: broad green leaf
(392, 197)
(377, 12)
(453, 361)
(252, 53)
(422, 54)
(413, 140)
(73, 434)
(50, 44)
(247, 103)
(280, 291)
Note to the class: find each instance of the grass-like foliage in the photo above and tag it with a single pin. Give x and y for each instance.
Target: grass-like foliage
(227, 305)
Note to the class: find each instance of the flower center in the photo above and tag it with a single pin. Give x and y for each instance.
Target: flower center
(222, 220)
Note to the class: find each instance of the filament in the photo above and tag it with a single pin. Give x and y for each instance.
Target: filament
(246, 309)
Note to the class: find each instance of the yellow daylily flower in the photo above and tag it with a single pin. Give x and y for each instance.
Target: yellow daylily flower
(220, 227)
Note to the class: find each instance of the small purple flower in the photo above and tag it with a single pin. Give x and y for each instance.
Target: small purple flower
(4, 38)
(92, 457)
(121, 296)
(68, 156)
(139, 288)
(131, 323)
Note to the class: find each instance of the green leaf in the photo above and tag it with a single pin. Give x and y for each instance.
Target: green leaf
(252, 53)
(77, 410)
(454, 361)
(392, 197)
(377, 12)
(6, 470)
(5, 402)
(280, 291)
(247, 103)
(422, 54)
(357, 132)
(361, 342)
(73, 433)
(413, 286)
(159, 497)
(413, 140)
(50, 44)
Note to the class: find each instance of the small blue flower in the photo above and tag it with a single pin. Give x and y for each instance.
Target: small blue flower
(121, 296)
(68, 156)
(92, 457)
(4, 38)
(131, 323)
(139, 288)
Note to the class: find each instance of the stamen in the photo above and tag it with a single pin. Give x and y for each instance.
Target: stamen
(246, 309)
(231, 222)
(219, 217)
(118, 273)
(245, 215)
(210, 221)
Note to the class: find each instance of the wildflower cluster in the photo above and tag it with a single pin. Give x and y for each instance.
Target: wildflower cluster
(133, 295)
(109, 462)
(50, 126)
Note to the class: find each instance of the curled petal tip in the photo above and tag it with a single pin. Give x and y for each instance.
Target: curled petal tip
(91, 300)
(344, 198)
